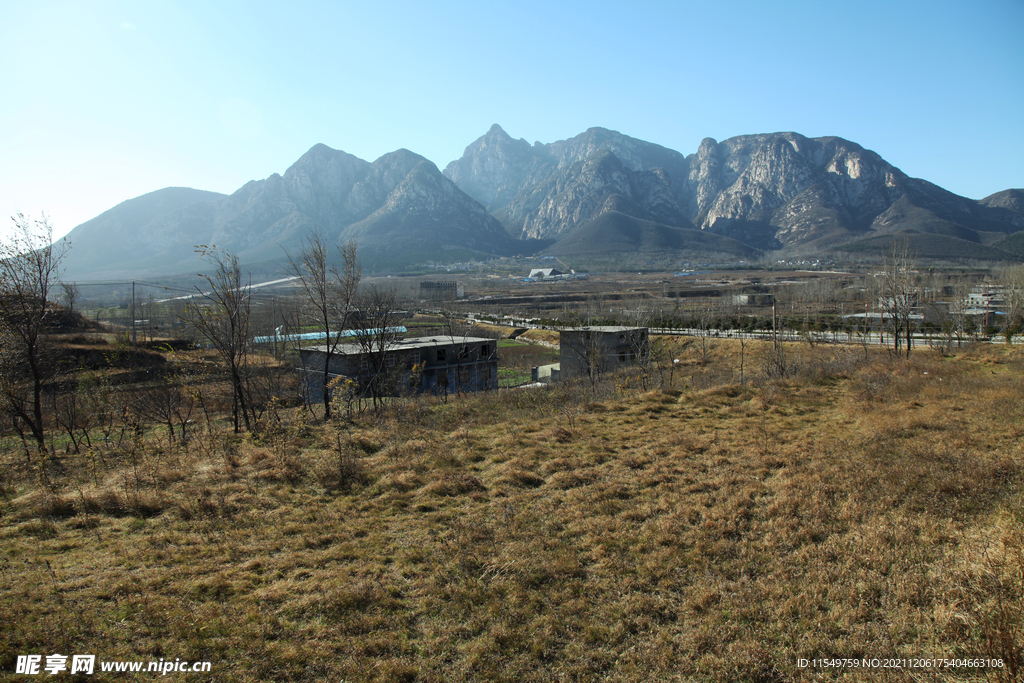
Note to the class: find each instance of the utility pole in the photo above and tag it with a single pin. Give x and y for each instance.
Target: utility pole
(775, 325)
(273, 323)
(133, 313)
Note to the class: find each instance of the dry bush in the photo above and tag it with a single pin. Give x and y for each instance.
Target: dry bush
(342, 467)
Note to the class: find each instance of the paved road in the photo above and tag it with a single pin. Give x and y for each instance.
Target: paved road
(766, 335)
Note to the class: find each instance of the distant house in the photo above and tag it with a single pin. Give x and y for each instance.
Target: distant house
(414, 365)
(587, 351)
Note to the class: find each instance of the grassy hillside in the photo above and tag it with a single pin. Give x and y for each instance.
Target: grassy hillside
(1014, 244)
(929, 246)
(702, 530)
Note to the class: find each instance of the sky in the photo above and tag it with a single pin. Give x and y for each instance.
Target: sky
(106, 101)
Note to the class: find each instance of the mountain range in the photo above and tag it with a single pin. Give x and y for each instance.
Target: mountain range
(598, 194)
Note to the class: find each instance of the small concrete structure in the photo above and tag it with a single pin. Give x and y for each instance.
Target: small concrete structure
(413, 365)
(546, 373)
(593, 350)
(753, 299)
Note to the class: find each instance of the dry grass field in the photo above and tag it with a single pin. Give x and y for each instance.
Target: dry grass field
(706, 530)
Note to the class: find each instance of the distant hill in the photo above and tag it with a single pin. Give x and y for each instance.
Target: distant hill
(141, 233)
(1012, 200)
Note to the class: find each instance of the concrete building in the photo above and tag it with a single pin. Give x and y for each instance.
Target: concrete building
(441, 290)
(753, 299)
(413, 365)
(594, 350)
(546, 374)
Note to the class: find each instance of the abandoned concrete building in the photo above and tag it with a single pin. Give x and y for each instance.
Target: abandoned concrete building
(441, 290)
(588, 351)
(413, 365)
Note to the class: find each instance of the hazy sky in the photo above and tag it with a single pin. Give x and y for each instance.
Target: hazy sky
(105, 101)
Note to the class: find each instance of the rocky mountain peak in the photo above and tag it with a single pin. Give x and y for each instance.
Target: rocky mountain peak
(1012, 200)
(708, 147)
(494, 167)
(496, 131)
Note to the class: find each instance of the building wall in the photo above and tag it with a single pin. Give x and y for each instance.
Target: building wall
(431, 289)
(442, 367)
(585, 352)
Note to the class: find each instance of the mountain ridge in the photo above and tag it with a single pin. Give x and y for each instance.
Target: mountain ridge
(775, 191)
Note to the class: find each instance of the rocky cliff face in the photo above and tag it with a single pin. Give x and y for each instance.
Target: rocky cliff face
(582, 191)
(495, 168)
(808, 190)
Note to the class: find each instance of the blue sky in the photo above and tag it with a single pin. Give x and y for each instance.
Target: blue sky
(104, 101)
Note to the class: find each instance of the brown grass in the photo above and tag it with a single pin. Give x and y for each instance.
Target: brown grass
(535, 335)
(859, 508)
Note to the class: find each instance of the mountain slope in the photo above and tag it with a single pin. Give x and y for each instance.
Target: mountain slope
(427, 217)
(613, 232)
(1012, 200)
(580, 192)
(142, 229)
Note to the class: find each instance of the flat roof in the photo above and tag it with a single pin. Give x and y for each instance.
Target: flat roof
(407, 344)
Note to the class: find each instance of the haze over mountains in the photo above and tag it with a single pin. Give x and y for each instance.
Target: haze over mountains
(600, 193)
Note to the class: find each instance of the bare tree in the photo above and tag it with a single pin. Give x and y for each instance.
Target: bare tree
(899, 294)
(222, 316)
(330, 295)
(376, 339)
(958, 321)
(70, 290)
(29, 267)
(1011, 281)
(641, 314)
(457, 328)
(704, 322)
(171, 399)
(580, 349)
(774, 362)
